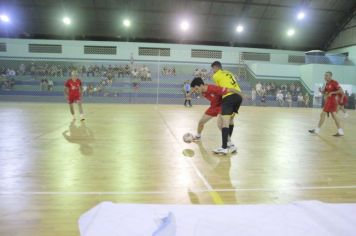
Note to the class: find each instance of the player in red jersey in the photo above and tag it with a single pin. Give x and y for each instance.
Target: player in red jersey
(214, 94)
(73, 92)
(331, 90)
(342, 100)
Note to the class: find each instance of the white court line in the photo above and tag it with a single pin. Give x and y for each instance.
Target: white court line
(191, 163)
(170, 192)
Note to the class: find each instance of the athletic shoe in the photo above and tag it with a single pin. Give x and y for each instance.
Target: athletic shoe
(338, 135)
(221, 151)
(232, 148)
(196, 138)
(230, 144)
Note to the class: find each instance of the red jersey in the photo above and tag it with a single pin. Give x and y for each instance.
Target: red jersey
(330, 102)
(331, 86)
(73, 87)
(214, 94)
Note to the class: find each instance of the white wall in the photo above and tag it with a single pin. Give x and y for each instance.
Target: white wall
(275, 70)
(179, 52)
(314, 73)
(351, 50)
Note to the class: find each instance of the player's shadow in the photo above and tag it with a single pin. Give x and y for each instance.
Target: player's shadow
(81, 135)
(219, 170)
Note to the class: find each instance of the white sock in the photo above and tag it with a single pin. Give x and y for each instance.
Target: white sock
(340, 131)
(81, 115)
(317, 130)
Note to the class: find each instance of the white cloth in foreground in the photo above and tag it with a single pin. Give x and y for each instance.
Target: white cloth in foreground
(300, 218)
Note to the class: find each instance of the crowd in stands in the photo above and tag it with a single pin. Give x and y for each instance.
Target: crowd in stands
(285, 94)
(46, 85)
(6, 83)
(58, 70)
(168, 71)
(202, 73)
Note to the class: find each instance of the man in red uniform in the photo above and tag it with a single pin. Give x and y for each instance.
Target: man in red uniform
(342, 100)
(73, 92)
(331, 90)
(214, 94)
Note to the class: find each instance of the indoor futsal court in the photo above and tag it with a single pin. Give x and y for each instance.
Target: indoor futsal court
(177, 118)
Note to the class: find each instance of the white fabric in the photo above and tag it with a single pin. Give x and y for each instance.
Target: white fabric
(307, 218)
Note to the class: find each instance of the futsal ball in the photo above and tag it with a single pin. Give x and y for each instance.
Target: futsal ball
(188, 138)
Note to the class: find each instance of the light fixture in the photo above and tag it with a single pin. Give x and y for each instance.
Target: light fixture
(4, 18)
(290, 32)
(301, 15)
(66, 20)
(184, 25)
(126, 23)
(239, 28)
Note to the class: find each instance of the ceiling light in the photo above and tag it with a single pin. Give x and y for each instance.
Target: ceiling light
(66, 20)
(290, 32)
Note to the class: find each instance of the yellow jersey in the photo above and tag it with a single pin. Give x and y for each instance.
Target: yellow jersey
(226, 79)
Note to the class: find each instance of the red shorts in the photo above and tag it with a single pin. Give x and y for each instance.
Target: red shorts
(74, 98)
(213, 111)
(330, 104)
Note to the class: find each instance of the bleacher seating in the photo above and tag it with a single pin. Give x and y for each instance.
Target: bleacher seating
(166, 79)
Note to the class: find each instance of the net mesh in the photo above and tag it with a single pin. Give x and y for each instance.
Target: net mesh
(142, 81)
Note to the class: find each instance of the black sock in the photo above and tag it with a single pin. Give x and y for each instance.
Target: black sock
(190, 102)
(185, 102)
(225, 136)
(231, 129)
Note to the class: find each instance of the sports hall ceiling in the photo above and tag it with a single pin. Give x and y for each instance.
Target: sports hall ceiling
(265, 22)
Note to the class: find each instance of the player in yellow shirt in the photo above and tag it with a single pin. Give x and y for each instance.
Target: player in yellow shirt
(230, 105)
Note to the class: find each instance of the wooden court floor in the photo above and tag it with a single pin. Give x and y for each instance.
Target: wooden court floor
(52, 170)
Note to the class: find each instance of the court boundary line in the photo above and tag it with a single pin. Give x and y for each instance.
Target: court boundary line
(214, 195)
(170, 192)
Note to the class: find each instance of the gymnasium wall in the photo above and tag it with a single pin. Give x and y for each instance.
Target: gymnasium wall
(178, 52)
(264, 64)
(351, 50)
(313, 74)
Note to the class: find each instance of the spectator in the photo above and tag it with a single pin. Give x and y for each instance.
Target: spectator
(268, 88)
(306, 100)
(134, 74)
(298, 89)
(11, 73)
(289, 99)
(149, 76)
(263, 99)
(300, 100)
(84, 71)
(90, 90)
(279, 98)
(42, 85)
(85, 89)
(22, 69)
(253, 96)
(273, 88)
(50, 85)
(259, 88)
(292, 89)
